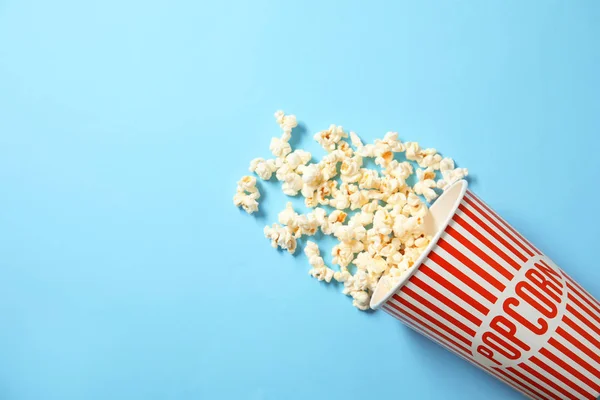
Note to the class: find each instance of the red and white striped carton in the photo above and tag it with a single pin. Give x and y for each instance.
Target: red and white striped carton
(487, 294)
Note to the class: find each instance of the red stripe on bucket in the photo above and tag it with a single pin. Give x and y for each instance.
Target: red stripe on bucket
(585, 299)
(547, 381)
(429, 318)
(577, 327)
(514, 379)
(453, 289)
(491, 232)
(578, 360)
(573, 371)
(532, 382)
(583, 348)
(446, 301)
(502, 219)
(486, 276)
(438, 311)
(472, 203)
(486, 242)
(458, 346)
(561, 378)
(587, 318)
(436, 258)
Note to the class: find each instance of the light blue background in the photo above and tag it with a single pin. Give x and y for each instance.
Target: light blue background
(126, 271)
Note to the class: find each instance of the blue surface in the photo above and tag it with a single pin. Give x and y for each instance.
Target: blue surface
(126, 271)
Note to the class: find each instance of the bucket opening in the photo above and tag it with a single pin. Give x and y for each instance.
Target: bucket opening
(439, 216)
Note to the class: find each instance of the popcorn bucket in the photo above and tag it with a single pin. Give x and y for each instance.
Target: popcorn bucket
(484, 292)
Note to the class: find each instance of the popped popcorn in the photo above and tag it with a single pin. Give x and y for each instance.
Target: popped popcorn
(247, 195)
(311, 174)
(286, 122)
(297, 158)
(292, 184)
(386, 234)
(361, 300)
(263, 168)
(319, 270)
(342, 254)
(392, 142)
(324, 191)
(426, 184)
(329, 138)
(355, 140)
(350, 170)
(247, 184)
(288, 216)
(281, 237)
(450, 174)
(307, 224)
(279, 147)
(369, 179)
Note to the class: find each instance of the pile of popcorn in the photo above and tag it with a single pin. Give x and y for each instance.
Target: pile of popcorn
(385, 234)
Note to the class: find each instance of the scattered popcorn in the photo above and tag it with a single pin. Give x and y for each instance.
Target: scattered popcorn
(279, 147)
(292, 184)
(286, 122)
(342, 276)
(311, 174)
(329, 138)
(342, 255)
(450, 174)
(401, 171)
(383, 155)
(412, 151)
(355, 140)
(345, 148)
(281, 237)
(288, 216)
(297, 158)
(361, 300)
(382, 222)
(337, 216)
(247, 184)
(350, 169)
(263, 168)
(369, 179)
(367, 151)
(307, 224)
(385, 235)
(431, 160)
(324, 191)
(247, 195)
(391, 140)
(319, 270)
(426, 184)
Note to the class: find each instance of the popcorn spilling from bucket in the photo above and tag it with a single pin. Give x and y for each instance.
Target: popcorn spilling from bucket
(378, 217)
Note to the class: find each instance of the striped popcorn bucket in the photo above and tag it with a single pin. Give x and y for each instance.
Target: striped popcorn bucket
(484, 292)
